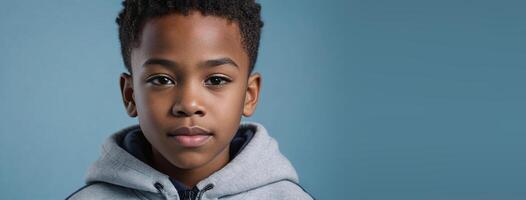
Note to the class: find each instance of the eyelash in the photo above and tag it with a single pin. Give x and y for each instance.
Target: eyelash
(168, 81)
(157, 78)
(223, 81)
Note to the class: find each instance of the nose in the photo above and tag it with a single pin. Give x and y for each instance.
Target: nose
(188, 103)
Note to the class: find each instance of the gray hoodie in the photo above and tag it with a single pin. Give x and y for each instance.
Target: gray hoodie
(258, 171)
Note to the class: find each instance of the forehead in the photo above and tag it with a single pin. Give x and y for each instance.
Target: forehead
(190, 38)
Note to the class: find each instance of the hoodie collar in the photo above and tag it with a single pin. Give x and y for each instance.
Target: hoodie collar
(258, 162)
(137, 145)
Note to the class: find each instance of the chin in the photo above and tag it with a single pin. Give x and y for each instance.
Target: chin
(188, 160)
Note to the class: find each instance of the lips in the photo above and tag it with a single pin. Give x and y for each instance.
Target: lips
(194, 136)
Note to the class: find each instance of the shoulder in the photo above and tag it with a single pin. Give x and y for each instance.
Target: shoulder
(100, 190)
(280, 190)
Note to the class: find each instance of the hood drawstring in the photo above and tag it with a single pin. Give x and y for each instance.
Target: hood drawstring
(160, 188)
(206, 188)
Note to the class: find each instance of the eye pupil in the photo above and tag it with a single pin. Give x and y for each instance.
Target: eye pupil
(215, 80)
(161, 80)
(164, 80)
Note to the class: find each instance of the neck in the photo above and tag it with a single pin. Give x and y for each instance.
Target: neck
(190, 176)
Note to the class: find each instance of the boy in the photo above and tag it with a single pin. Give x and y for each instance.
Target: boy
(190, 80)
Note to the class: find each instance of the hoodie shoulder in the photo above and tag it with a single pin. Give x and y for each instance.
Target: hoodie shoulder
(102, 190)
(280, 190)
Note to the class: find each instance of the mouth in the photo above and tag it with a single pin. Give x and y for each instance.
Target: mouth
(194, 136)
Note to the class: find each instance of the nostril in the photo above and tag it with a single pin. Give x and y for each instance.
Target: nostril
(199, 113)
(181, 113)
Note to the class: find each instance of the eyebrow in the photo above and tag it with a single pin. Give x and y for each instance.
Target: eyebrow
(220, 61)
(160, 61)
(207, 63)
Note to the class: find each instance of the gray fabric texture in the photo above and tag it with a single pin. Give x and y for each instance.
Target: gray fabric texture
(259, 171)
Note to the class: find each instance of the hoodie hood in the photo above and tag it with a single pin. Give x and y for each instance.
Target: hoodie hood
(258, 163)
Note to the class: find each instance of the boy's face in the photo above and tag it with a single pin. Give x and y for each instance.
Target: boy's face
(190, 71)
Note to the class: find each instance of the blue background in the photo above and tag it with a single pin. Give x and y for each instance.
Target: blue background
(373, 100)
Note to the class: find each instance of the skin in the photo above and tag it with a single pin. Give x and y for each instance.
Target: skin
(190, 71)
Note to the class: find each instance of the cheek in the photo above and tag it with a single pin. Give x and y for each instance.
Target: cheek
(225, 111)
(227, 105)
(152, 107)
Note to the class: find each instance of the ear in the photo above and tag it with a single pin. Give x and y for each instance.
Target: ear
(252, 94)
(127, 94)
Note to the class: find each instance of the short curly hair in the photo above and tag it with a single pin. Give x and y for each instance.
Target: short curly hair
(135, 14)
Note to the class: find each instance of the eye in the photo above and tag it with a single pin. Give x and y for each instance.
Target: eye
(217, 81)
(160, 80)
